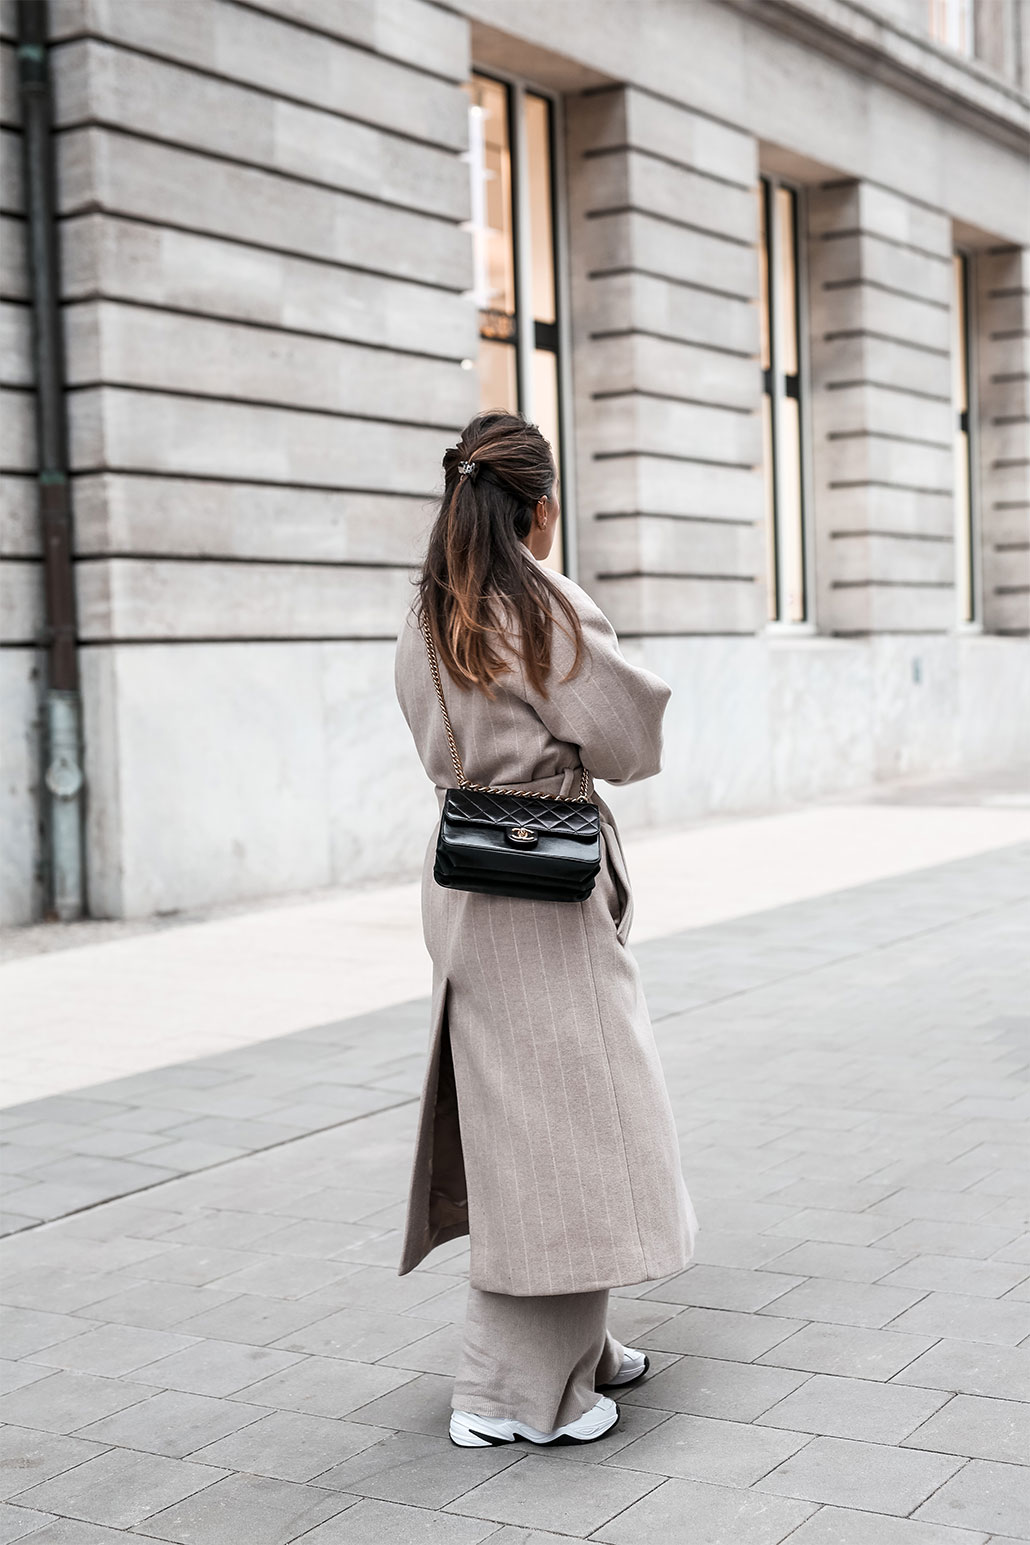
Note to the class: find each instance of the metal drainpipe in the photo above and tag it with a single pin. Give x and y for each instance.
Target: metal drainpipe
(63, 795)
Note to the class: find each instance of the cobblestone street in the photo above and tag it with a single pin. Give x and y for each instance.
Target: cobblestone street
(227, 1357)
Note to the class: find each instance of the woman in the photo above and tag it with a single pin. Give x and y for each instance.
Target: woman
(545, 1130)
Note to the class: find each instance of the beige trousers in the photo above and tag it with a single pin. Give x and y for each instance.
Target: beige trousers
(535, 1360)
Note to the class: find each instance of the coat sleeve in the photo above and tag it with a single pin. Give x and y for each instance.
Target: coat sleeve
(610, 709)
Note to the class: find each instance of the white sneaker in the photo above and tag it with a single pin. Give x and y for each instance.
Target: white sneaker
(470, 1431)
(634, 1365)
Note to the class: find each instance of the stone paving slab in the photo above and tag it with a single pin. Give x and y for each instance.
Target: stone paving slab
(227, 1354)
(153, 991)
(65, 1153)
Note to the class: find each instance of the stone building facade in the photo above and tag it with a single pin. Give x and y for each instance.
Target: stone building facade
(761, 268)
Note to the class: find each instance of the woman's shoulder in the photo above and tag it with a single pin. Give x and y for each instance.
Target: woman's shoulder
(409, 638)
(411, 623)
(583, 602)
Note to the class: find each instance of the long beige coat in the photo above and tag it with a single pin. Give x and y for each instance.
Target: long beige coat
(545, 1130)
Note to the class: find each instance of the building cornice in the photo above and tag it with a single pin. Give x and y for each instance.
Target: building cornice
(959, 88)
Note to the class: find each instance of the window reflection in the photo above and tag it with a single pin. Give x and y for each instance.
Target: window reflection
(538, 176)
(781, 402)
(516, 290)
(546, 414)
(493, 228)
(965, 561)
(951, 22)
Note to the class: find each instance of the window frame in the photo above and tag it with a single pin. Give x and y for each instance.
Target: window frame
(972, 583)
(518, 87)
(807, 625)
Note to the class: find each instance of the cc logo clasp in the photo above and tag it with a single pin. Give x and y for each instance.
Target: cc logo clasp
(522, 836)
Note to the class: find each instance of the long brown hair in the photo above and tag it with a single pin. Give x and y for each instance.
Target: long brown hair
(478, 580)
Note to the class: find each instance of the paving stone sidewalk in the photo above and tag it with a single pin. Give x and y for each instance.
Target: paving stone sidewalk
(223, 1354)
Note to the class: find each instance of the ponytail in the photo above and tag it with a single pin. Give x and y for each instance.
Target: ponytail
(478, 579)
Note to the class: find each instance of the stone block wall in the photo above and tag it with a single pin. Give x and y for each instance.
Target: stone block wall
(663, 224)
(880, 283)
(266, 269)
(264, 266)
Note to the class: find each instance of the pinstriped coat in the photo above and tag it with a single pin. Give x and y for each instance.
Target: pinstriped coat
(545, 1129)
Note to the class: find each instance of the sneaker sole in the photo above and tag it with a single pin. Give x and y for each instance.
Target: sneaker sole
(628, 1383)
(488, 1439)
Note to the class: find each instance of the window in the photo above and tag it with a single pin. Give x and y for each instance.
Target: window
(966, 578)
(951, 23)
(515, 250)
(779, 298)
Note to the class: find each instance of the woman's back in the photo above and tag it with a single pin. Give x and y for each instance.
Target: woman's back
(608, 717)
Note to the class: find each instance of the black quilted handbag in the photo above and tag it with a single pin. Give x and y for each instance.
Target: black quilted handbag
(513, 842)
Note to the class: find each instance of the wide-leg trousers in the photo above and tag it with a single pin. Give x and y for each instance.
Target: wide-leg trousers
(535, 1360)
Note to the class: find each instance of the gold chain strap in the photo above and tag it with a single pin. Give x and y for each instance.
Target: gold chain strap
(466, 783)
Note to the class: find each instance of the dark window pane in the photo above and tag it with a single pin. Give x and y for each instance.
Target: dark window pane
(965, 551)
(763, 277)
(786, 281)
(769, 474)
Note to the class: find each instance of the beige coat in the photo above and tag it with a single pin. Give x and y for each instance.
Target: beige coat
(545, 1130)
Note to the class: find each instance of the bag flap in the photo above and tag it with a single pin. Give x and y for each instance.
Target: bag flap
(558, 817)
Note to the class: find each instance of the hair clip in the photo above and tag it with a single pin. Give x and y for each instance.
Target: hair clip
(468, 468)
